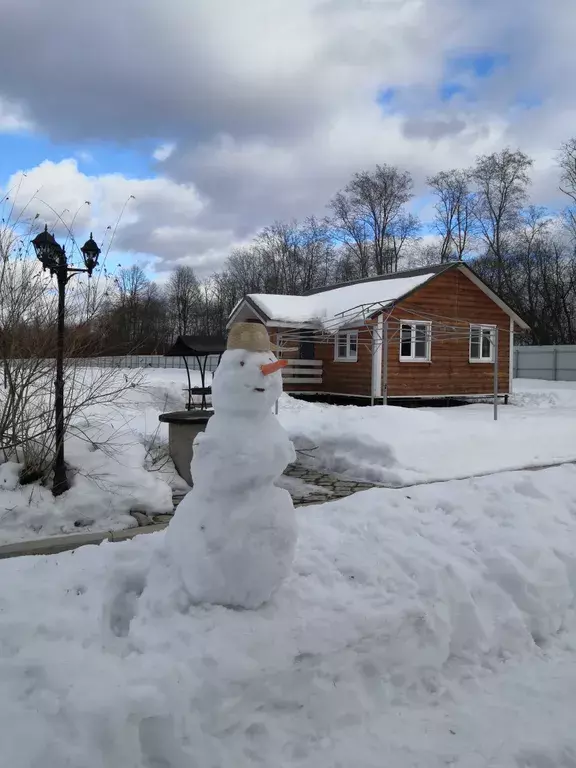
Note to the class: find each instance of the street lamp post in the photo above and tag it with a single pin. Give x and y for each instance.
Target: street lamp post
(53, 257)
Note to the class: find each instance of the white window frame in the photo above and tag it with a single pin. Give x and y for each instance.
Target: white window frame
(482, 327)
(349, 357)
(411, 358)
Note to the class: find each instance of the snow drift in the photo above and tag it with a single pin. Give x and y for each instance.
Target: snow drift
(118, 462)
(396, 599)
(400, 446)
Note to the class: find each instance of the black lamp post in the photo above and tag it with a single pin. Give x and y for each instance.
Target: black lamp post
(53, 257)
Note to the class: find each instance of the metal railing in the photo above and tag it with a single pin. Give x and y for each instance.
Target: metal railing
(143, 361)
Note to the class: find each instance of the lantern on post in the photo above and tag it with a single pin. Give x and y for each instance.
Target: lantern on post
(52, 256)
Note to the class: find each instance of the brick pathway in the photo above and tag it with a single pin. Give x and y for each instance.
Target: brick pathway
(329, 486)
(307, 486)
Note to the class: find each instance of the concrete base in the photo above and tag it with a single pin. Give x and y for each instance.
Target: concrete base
(183, 426)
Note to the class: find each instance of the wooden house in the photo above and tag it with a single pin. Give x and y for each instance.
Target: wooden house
(434, 332)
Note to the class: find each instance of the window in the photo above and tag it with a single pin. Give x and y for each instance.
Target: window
(347, 346)
(482, 343)
(415, 341)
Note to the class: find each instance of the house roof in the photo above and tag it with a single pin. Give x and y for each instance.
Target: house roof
(337, 306)
(421, 271)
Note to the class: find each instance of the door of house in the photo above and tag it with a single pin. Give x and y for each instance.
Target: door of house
(306, 349)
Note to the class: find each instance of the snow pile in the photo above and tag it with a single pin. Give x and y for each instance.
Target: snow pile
(365, 656)
(533, 393)
(119, 451)
(401, 446)
(351, 440)
(118, 459)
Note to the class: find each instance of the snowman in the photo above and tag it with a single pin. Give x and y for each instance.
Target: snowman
(233, 537)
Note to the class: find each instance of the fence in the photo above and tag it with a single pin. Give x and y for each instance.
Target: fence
(549, 363)
(302, 372)
(144, 361)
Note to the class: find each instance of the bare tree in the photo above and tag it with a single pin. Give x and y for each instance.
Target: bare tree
(453, 212)
(501, 180)
(221, 294)
(294, 257)
(244, 270)
(353, 234)
(317, 254)
(184, 299)
(277, 249)
(135, 317)
(567, 163)
(404, 230)
(366, 213)
(27, 345)
(538, 277)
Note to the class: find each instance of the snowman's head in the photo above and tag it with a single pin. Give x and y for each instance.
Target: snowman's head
(247, 382)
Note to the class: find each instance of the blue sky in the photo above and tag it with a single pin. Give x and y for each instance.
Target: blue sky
(268, 116)
(29, 148)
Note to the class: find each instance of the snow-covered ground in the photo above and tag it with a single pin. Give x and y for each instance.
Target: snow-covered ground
(119, 459)
(420, 628)
(120, 455)
(398, 446)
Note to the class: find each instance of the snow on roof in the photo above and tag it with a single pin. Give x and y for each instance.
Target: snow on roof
(337, 307)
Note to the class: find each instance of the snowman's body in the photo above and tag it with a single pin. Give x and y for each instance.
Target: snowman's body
(233, 537)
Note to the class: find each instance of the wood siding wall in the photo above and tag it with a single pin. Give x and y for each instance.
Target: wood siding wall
(340, 377)
(449, 297)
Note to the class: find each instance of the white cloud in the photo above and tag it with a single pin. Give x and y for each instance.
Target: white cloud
(163, 152)
(12, 118)
(271, 105)
(84, 156)
(158, 216)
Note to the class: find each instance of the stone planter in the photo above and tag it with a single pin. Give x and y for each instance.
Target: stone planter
(183, 426)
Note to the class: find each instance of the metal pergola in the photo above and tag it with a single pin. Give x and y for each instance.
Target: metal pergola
(200, 348)
(442, 328)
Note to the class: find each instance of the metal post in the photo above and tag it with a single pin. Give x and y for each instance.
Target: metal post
(385, 363)
(555, 363)
(373, 335)
(204, 403)
(60, 480)
(495, 343)
(189, 405)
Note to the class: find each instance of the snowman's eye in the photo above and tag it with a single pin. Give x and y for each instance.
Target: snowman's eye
(242, 362)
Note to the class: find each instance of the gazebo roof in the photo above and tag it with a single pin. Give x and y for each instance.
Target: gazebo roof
(197, 346)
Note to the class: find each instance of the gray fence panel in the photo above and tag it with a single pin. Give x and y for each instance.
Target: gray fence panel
(550, 363)
(145, 361)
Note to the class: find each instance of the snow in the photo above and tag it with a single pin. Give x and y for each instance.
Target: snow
(418, 629)
(337, 307)
(131, 470)
(119, 462)
(232, 539)
(399, 446)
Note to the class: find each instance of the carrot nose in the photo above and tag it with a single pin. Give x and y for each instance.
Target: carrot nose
(269, 368)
